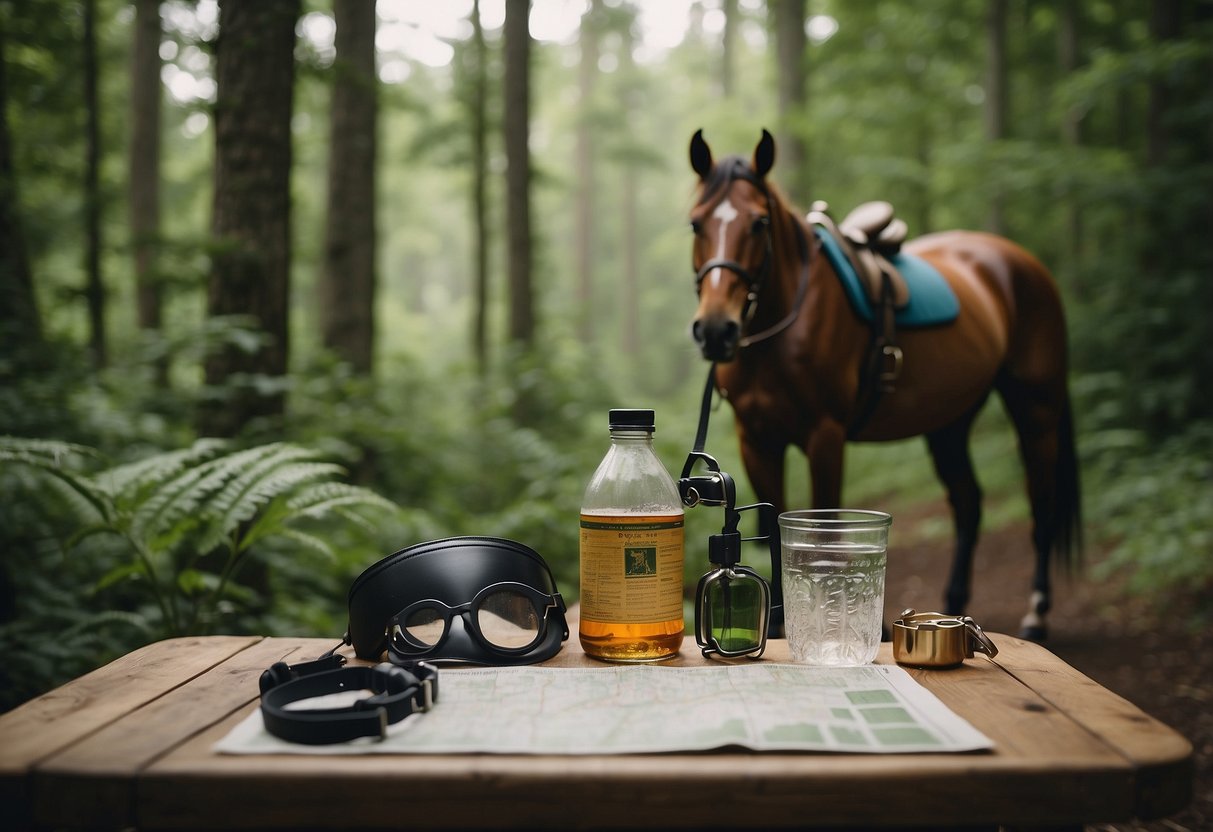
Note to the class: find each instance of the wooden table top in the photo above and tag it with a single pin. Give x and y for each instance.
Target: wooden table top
(130, 745)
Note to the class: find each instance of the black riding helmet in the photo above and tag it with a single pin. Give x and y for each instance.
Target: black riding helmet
(475, 600)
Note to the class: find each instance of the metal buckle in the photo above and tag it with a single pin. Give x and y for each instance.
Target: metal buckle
(891, 375)
(932, 639)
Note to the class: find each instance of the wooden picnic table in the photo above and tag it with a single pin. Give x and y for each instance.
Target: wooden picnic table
(130, 745)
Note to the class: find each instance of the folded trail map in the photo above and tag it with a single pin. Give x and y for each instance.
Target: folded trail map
(644, 709)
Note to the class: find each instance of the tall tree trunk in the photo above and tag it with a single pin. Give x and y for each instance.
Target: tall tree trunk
(1164, 26)
(144, 186)
(922, 208)
(20, 326)
(479, 123)
(790, 45)
(630, 290)
(1071, 137)
(94, 290)
(518, 171)
(1124, 17)
(586, 76)
(996, 97)
(250, 267)
(347, 285)
(728, 52)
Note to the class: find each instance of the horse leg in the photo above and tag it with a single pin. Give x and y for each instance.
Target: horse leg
(949, 447)
(764, 465)
(825, 451)
(1042, 421)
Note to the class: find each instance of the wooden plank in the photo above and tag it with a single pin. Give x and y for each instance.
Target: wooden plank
(43, 726)
(1054, 762)
(98, 771)
(186, 790)
(1162, 758)
(1046, 769)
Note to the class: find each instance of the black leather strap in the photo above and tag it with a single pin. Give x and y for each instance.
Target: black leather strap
(398, 692)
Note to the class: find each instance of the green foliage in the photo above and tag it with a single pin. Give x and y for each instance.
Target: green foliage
(178, 535)
(155, 547)
(1156, 500)
(448, 446)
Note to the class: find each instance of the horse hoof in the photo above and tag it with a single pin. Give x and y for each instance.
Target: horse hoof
(1035, 633)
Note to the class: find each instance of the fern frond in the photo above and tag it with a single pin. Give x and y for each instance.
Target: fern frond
(158, 516)
(245, 495)
(356, 519)
(310, 541)
(52, 450)
(63, 501)
(131, 570)
(126, 481)
(320, 499)
(175, 498)
(316, 501)
(85, 532)
(47, 457)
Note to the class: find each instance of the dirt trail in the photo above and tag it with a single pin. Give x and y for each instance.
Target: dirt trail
(1122, 644)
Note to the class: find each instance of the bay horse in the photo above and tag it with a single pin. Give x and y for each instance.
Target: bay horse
(788, 349)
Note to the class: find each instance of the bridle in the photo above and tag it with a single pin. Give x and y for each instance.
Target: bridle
(755, 281)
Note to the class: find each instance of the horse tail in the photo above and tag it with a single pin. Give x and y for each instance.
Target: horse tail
(1067, 526)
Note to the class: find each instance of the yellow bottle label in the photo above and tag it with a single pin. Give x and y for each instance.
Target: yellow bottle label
(631, 568)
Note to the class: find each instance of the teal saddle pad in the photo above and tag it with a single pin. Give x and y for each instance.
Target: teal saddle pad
(932, 301)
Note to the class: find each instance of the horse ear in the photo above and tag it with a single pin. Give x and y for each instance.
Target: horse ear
(764, 155)
(701, 155)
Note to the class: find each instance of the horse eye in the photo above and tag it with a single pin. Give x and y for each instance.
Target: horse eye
(760, 225)
(696, 227)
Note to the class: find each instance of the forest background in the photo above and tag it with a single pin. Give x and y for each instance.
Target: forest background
(286, 285)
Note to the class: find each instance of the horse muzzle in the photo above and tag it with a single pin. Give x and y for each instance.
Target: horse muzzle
(718, 337)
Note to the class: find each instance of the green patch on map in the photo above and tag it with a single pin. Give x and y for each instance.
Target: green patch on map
(883, 716)
(848, 736)
(793, 732)
(905, 735)
(842, 713)
(871, 697)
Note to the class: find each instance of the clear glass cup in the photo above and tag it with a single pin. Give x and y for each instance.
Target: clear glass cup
(833, 566)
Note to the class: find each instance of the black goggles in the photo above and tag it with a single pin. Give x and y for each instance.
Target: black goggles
(506, 618)
(472, 600)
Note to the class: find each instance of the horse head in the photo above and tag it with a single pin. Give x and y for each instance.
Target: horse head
(732, 248)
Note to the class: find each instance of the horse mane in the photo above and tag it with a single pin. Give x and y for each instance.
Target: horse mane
(783, 212)
(722, 173)
(738, 167)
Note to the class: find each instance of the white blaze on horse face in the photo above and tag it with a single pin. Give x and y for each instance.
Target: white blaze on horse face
(726, 213)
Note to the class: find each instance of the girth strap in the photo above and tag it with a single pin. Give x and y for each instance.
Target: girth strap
(881, 365)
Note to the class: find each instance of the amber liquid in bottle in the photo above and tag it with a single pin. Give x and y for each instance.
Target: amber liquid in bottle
(634, 641)
(631, 550)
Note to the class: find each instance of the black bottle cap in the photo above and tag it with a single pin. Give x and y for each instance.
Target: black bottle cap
(623, 419)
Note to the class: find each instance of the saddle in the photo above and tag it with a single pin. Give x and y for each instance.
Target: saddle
(870, 236)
